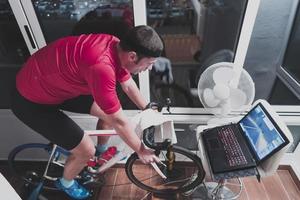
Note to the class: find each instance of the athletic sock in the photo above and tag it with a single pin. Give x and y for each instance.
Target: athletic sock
(100, 148)
(66, 183)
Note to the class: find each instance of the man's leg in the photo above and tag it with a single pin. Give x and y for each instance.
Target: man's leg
(85, 104)
(80, 155)
(102, 124)
(58, 128)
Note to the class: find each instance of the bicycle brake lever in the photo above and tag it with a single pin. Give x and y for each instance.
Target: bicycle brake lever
(168, 104)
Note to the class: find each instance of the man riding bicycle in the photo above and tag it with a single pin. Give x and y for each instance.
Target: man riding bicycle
(79, 74)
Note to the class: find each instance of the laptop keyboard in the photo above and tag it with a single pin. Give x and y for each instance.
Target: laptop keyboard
(233, 151)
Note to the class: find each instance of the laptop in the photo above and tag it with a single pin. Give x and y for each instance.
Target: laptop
(245, 144)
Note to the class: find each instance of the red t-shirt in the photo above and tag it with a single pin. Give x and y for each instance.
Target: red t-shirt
(73, 66)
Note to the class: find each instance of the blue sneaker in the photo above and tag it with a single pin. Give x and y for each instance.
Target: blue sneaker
(75, 191)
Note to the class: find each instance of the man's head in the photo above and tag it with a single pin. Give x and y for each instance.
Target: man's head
(140, 47)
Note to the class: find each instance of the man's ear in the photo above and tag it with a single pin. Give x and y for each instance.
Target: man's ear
(132, 56)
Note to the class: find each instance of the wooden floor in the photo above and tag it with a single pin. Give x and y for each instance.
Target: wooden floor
(280, 186)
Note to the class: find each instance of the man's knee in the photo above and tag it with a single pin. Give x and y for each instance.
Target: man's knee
(85, 153)
(85, 150)
(101, 124)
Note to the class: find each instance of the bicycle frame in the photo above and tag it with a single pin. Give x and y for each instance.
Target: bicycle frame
(142, 121)
(127, 150)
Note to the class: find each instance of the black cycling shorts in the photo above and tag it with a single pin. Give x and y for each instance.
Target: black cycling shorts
(50, 121)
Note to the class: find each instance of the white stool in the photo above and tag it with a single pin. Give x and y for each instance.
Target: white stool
(7, 192)
(265, 168)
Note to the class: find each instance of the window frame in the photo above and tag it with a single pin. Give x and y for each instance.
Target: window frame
(25, 15)
(287, 79)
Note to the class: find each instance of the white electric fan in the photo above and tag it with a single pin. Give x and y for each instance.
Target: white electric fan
(223, 88)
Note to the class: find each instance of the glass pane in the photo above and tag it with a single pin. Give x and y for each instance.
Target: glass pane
(291, 59)
(13, 52)
(61, 18)
(196, 34)
(13, 49)
(296, 136)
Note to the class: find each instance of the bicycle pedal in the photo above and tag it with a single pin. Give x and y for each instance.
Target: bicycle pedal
(107, 155)
(91, 163)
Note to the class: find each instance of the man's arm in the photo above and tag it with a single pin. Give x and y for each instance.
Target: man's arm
(133, 92)
(125, 130)
(123, 127)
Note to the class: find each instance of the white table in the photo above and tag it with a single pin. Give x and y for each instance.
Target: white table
(219, 188)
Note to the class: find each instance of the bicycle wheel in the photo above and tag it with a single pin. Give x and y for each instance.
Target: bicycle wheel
(31, 171)
(187, 173)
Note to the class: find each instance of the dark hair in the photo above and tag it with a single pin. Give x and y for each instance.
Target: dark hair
(144, 41)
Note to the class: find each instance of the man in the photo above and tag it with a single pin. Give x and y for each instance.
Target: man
(79, 74)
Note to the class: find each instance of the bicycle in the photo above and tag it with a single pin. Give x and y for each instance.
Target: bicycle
(179, 171)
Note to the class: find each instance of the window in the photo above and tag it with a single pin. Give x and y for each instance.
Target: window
(13, 52)
(196, 35)
(50, 20)
(289, 70)
(13, 49)
(193, 32)
(71, 17)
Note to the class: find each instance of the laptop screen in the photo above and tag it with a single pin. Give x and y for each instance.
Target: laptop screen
(262, 133)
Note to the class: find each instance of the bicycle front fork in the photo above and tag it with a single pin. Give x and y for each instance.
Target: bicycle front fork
(170, 158)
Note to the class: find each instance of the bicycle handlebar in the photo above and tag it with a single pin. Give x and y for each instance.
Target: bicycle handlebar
(148, 134)
(159, 106)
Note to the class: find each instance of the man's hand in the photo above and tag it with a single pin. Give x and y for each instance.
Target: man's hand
(147, 155)
(159, 106)
(154, 106)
